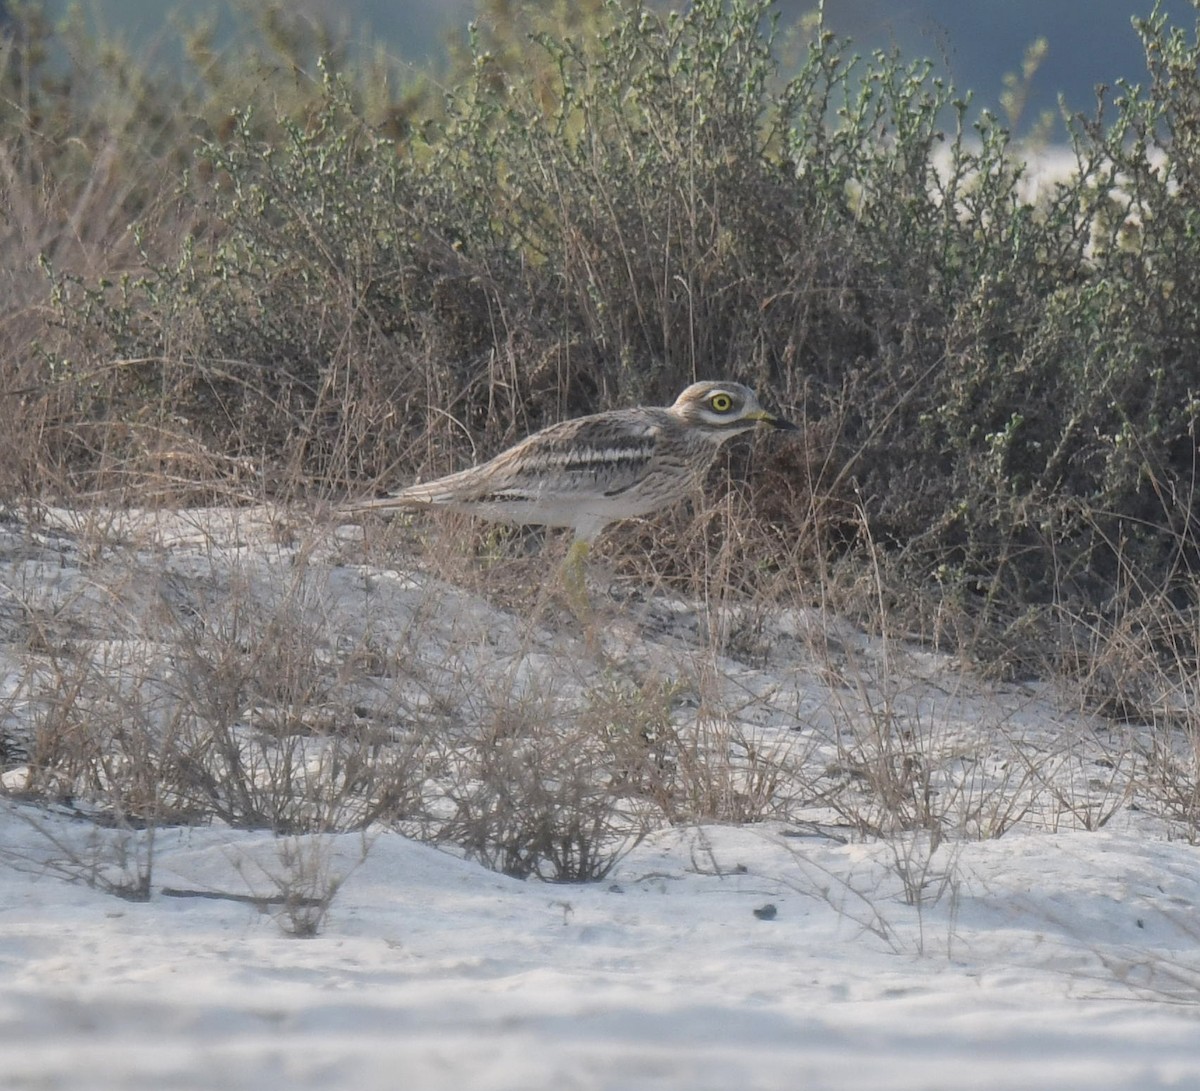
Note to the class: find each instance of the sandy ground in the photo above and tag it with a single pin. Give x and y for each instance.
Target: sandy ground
(1051, 956)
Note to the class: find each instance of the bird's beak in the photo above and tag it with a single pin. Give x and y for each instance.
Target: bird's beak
(776, 422)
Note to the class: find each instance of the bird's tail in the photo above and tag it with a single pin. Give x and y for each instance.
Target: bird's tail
(445, 490)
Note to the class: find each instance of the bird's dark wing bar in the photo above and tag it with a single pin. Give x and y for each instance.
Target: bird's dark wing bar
(614, 463)
(507, 496)
(616, 458)
(630, 467)
(594, 455)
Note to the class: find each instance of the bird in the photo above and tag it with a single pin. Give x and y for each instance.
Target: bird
(584, 473)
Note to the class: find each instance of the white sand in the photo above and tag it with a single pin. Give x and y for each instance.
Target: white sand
(1049, 957)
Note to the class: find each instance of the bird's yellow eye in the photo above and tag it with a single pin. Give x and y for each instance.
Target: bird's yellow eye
(722, 403)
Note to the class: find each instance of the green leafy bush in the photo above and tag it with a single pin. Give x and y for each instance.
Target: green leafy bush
(1006, 378)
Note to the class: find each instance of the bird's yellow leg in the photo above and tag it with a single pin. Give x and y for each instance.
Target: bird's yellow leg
(574, 580)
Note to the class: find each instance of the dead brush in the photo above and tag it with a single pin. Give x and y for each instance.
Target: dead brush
(1135, 669)
(727, 773)
(553, 784)
(211, 689)
(1149, 679)
(115, 856)
(903, 763)
(87, 707)
(697, 759)
(1172, 778)
(695, 762)
(307, 877)
(270, 737)
(103, 733)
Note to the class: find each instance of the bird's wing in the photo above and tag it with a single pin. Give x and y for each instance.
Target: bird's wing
(604, 454)
(608, 452)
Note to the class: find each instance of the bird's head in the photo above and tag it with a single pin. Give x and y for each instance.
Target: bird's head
(725, 409)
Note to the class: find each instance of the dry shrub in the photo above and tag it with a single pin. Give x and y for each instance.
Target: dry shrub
(334, 291)
(376, 291)
(221, 692)
(552, 785)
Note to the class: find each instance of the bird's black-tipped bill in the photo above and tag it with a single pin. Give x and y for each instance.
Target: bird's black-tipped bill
(781, 424)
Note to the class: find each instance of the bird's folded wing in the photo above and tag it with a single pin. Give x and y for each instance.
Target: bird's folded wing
(600, 459)
(600, 456)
